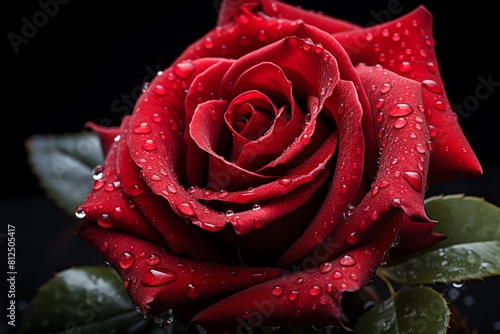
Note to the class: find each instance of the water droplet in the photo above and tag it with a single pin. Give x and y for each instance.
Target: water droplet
(256, 207)
(337, 275)
(277, 290)
(405, 67)
(184, 69)
(136, 190)
(293, 295)
(315, 290)
(145, 86)
(347, 261)
(149, 145)
(164, 320)
(420, 148)
(262, 35)
(400, 123)
(104, 221)
(186, 209)
(160, 90)
(326, 267)
(414, 179)
(380, 102)
(208, 43)
(341, 109)
(229, 213)
(104, 247)
(192, 291)
(79, 213)
(472, 257)
(153, 260)
(400, 110)
(385, 88)
(431, 67)
(353, 276)
(285, 182)
(126, 260)
(158, 276)
(352, 239)
(439, 105)
(432, 86)
(343, 189)
(97, 172)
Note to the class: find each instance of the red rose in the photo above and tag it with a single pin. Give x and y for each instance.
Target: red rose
(274, 165)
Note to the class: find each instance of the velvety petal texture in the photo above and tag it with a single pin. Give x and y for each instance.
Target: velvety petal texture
(274, 165)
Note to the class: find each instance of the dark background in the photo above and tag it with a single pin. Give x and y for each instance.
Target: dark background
(87, 55)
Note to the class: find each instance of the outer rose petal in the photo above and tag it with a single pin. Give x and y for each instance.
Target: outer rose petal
(406, 47)
(414, 237)
(106, 135)
(403, 163)
(305, 297)
(280, 9)
(158, 281)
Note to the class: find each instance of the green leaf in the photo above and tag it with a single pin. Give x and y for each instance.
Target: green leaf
(417, 310)
(471, 250)
(87, 299)
(63, 164)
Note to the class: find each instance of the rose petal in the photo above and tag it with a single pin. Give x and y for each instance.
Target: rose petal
(246, 29)
(305, 297)
(345, 108)
(202, 89)
(158, 281)
(312, 82)
(304, 173)
(206, 129)
(180, 236)
(107, 135)
(406, 46)
(401, 179)
(110, 207)
(414, 237)
(280, 9)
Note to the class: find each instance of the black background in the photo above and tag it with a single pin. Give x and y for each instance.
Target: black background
(88, 54)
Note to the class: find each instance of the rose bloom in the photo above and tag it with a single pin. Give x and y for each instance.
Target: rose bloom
(274, 165)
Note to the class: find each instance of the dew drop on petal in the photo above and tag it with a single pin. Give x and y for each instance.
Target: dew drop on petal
(353, 276)
(326, 267)
(414, 179)
(158, 276)
(432, 86)
(183, 69)
(277, 290)
(420, 148)
(347, 260)
(293, 295)
(97, 172)
(439, 105)
(192, 291)
(352, 239)
(159, 89)
(385, 88)
(405, 67)
(400, 123)
(285, 182)
(315, 290)
(104, 221)
(400, 110)
(149, 145)
(380, 102)
(126, 260)
(337, 275)
(152, 260)
(186, 209)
